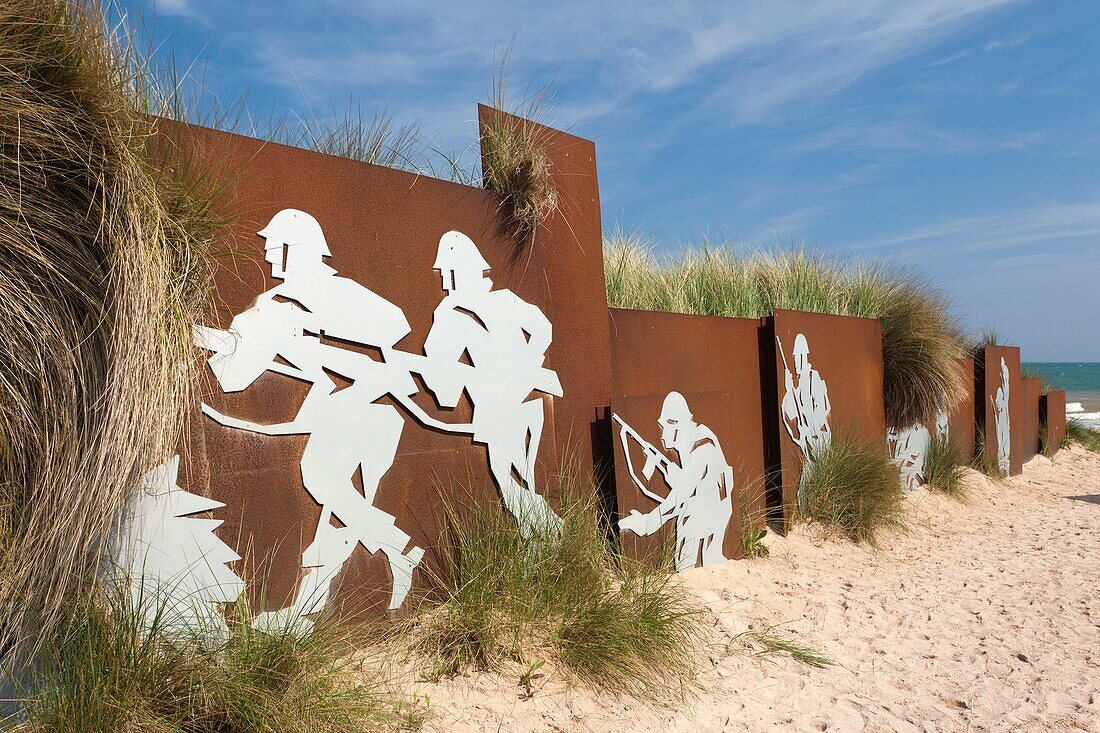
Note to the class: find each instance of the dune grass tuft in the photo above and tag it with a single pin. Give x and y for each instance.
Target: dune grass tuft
(115, 671)
(769, 641)
(984, 460)
(920, 337)
(514, 161)
(567, 597)
(944, 469)
(1077, 432)
(852, 489)
(106, 267)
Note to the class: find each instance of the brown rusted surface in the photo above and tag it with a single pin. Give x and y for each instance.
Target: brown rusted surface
(987, 381)
(1052, 416)
(714, 363)
(847, 352)
(960, 418)
(1029, 438)
(383, 227)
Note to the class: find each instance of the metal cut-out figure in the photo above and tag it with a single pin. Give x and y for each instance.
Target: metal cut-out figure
(488, 344)
(349, 432)
(909, 447)
(504, 340)
(805, 407)
(700, 496)
(1002, 421)
(176, 566)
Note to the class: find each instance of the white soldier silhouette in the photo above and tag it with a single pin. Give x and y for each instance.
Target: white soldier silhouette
(176, 566)
(805, 406)
(700, 496)
(348, 431)
(1001, 417)
(910, 449)
(505, 340)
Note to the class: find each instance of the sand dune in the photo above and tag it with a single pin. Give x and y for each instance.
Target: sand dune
(984, 616)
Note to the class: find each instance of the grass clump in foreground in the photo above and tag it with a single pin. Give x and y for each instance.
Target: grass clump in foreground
(564, 597)
(106, 268)
(112, 672)
(852, 489)
(920, 337)
(1078, 433)
(944, 471)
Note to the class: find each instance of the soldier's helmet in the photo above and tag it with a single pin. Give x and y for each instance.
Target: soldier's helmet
(801, 352)
(458, 258)
(675, 416)
(300, 234)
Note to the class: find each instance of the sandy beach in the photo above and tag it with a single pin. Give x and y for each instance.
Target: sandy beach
(983, 616)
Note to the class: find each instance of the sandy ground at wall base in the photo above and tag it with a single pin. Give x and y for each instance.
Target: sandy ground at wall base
(983, 616)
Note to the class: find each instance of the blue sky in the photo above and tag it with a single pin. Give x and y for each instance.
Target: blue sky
(961, 137)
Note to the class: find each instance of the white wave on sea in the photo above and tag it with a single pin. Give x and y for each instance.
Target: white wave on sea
(1076, 411)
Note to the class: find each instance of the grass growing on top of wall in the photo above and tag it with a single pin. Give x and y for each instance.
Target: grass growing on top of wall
(1082, 435)
(110, 672)
(920, 338)
(566, 598)
(106, 268)
(944, 470)
(852, 489)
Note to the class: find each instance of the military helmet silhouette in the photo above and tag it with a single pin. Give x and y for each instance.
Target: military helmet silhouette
(458, 252)
(295, 228)
(801, 348)
(674, 410)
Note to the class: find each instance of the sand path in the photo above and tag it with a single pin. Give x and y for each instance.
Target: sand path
(985, 616)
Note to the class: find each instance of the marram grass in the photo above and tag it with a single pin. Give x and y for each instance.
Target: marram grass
(104, 272)
(566, 598)
(944, 470)
(1076, 432)
(920, 337)
(853, 490)
(112, 672)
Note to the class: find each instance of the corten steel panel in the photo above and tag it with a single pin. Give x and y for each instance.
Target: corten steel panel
(847, 354)
(1032, 391)
(715, 364)
(960, 418)
(571, 244)
(988, 379)
(383, 228)
(1052, 415)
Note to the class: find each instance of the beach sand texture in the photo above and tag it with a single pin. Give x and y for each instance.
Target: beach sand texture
(984, 616)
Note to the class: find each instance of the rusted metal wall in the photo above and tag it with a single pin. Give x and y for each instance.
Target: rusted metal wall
(847, 353)
(383, 227)
(960, 418)
(1033, 390)
(988, 380)
(1052, 416)
(715, 364)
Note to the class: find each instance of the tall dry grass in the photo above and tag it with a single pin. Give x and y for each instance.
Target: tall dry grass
(566, 597)
(920, 336)
(104, 270)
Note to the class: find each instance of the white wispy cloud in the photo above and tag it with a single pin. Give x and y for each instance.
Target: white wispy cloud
(1065, 224)
(754, 61)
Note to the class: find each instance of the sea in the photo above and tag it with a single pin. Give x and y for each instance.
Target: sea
(1081, 380)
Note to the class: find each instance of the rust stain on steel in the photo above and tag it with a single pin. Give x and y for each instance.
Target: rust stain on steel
(1052, 415)
(847, 352)
(988, 378)
(383, 227)
(960, 417)
(1032, 391)
(714, 363)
